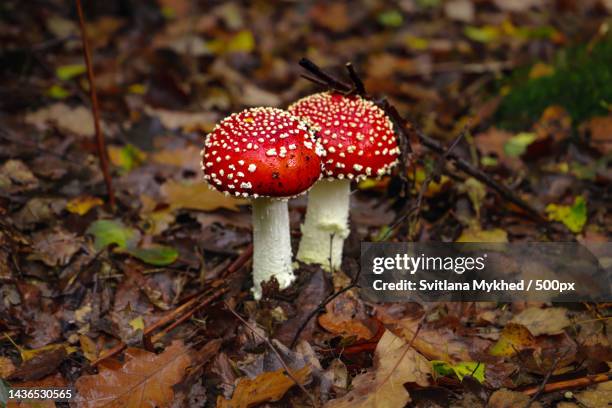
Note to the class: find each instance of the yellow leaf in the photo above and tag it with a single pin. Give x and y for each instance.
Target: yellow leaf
(127, 157)
(90, 350)
(66, 72)
(268, 386)
(57, 92)
(540, 70)
(514, 337)
(574, 217)
(81, 205)
(137, 323)
(137, 89)
(243, 41)
(30, 354)
(197, 196)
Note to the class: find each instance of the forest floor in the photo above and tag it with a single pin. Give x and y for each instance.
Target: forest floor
(148, 303)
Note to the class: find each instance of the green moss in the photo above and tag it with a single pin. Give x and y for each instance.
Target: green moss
(581, 83)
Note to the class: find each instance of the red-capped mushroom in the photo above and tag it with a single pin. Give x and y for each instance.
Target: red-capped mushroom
(268, 155)
(360, 142)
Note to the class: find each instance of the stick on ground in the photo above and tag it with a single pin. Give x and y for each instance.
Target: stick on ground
(100, 143)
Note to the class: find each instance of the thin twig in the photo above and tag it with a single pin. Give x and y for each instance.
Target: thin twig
(101, 145)
(415, 210)
(467, 167)
(405, 129)
(552, 368)
(356, 79)
(354, 283)
(569, 384)
(275, 351)
(327, 78)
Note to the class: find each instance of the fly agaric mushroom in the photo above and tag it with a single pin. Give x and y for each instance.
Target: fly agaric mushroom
(268, 155)
(360, 142)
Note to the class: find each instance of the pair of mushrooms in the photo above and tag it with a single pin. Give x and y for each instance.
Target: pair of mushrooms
(271, 155)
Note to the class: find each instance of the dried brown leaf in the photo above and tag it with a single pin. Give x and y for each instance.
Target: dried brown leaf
(543, 321)
(395, 364)
(268, 386)
(145, 379)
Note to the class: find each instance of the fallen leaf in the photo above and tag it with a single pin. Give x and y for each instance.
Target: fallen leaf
(157, 255)
(390, 18)
(66, 72)
(439, 343)
(37, 210)
(538, 321)
(6, 367)
(268, 386)
(82, 204)
(600, 130)
(540, 70)
(600, 396)
(127, 157)
(333, 16)
(517, 145)
(55, 247)
(476, 192)
(513, 338)
(510, 399)
(185, 158)
(573, 216)
(40, 365)
(145, 379)
(460, 10)
(197, 196)
(16, 176)
(475, 234)
(186, 121)
(78, 120)
(346, 316)
(89, 348)
(52, 381)
(107, 232)
(395, 364)
(461, 369)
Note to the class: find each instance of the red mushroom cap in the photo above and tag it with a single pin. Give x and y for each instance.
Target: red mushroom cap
(356, 134)
(261, 152)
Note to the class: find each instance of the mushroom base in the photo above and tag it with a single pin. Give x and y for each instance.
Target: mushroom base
(326, 225)
(271, 244)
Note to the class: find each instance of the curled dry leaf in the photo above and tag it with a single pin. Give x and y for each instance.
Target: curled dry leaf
(510, 399)
(434, 343)
(145, 379)
(77, 120)
(395, 364)
(543, 321)
(197, 196)
(55, 247)
(346, 316)
(268, 386)
(599, 396)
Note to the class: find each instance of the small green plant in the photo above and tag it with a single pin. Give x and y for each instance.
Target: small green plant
(581, 83)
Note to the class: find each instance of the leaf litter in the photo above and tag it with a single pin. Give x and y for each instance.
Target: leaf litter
(78, 280)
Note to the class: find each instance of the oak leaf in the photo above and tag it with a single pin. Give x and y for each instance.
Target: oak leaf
(268, 386)
(145, 379)
(396, 363)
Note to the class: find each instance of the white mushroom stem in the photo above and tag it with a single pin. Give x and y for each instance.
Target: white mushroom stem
(271, 244)
(326, 224)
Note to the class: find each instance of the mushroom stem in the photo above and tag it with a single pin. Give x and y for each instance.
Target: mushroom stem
(271, 244)
(326, 224)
